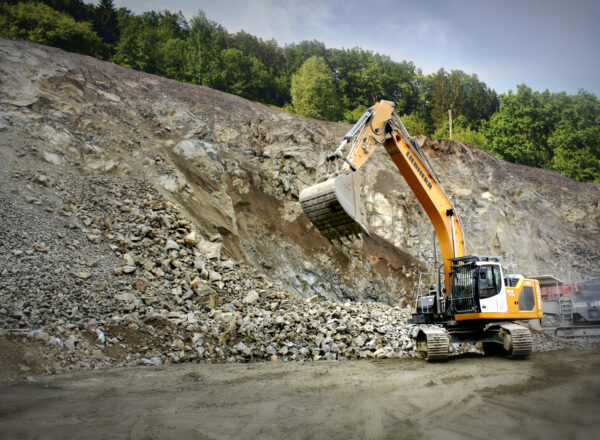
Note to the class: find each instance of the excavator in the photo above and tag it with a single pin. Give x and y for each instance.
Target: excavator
(475, 302)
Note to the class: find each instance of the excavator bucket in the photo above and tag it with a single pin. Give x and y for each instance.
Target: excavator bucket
(334, 206)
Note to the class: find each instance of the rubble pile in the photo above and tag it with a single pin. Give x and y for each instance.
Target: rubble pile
(167, 294)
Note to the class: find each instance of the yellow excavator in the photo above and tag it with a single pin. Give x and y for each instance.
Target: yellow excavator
(475, 303)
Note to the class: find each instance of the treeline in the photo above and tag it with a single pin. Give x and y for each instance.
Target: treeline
(556, 131)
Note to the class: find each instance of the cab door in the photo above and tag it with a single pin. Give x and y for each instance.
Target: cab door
(490, 287)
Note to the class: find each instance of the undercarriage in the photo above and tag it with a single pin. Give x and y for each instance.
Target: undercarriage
(506, 339)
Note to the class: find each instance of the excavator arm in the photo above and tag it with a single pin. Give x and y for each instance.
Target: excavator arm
(334, 205)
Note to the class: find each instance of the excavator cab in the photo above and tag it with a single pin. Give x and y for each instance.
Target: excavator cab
(474, 279)
(475, 282)
(479, 292)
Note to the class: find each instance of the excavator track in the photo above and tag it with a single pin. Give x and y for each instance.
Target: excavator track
(433, 344)
(517, 340)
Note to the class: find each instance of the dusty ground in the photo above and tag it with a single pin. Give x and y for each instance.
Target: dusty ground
(551, 395)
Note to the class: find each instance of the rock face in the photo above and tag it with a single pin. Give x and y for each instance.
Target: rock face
(128, 194)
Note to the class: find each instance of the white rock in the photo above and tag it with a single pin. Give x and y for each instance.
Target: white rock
(71, 342)
(214, 276)
(110, 96)
(191, 239)
(101, 335)
(93, 238)
(211, 250)
(251, 297)
(154, 360)
(128, 259)
(127, 297)
(243, 348)
(191, 149)
(110, 165)
(52, 158)
(55, 137)
(171, 244)
(41, 335)
(55, 341)
(172, 184)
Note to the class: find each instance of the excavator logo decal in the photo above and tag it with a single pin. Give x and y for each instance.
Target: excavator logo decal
(419, 170)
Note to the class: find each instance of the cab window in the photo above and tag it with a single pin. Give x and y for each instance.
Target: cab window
(488, 281)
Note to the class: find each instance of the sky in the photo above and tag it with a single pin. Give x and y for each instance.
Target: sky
(546, 44)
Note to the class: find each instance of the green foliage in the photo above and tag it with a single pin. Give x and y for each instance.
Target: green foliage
(519, 131)
(424, 92)
(581, 164)
(297, 54)
(363, 78)
(471, 137)
(464, 94)
(206, 39)
(461, 132)
(77, 9)
(313, 90)
(242, 74)
(575, 139)
(106, 23)
(555, 131)
(42, 24)
(351, 116)
(413, 125)
(103, 16)
(152, 42)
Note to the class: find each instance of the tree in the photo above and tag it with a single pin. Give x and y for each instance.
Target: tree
(461, 132)
(77, 9)
(546, 130)
(152, 42)
(42, 24)
(519, 131)
(297, 54)
(204, 43)
(313, 90)
(575, 140)
(242, 75)
(440, 101)
(424, 93)
(463, 94)
(106, 23)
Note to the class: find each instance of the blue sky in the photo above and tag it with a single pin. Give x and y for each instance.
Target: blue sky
(547, 44)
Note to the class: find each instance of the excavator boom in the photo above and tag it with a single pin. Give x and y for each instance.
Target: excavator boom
(335, 208)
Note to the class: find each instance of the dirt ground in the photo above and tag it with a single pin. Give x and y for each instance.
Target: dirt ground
(551, 395)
